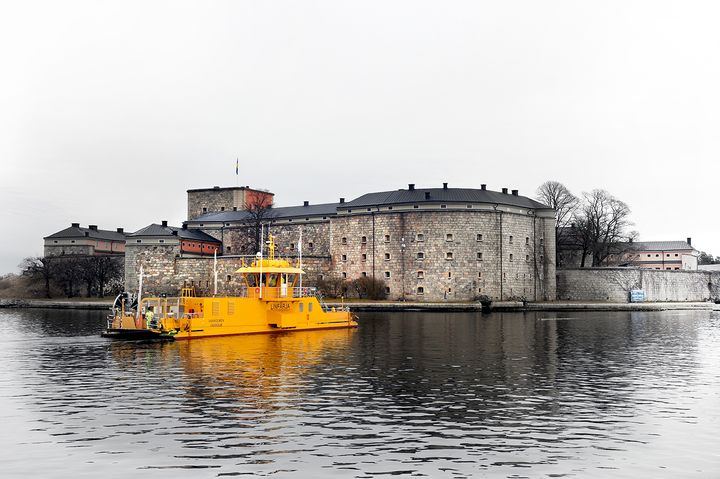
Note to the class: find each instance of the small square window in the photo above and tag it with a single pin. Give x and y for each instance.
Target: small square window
(363, 240)
(511, 256)
(387, 274)
(343, 240)
(449, 274)
(478, 237)
(527, 240)
(421, 274)
(310, 245)
(387, 238)
(511, 239)
(204, 210)
(222, 208)
(479, 256)
(420, 255)
(449, 255)
(344, 275)
(387, 289)
(292, 245)
(387, 256)
(364, 257)
(542, 240)
(420, 290)
(344, 257)
(229, 278)
(443, 206)
(449, 237)
(421, 237)
(364, 274)
(527, 257)
(469, 207)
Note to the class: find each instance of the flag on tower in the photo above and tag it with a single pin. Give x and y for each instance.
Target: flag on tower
(237, 166)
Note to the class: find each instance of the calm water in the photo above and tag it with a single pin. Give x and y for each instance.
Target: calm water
(413, 394)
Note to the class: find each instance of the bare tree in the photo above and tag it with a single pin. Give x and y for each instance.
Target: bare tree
(601, 222)
(555, 195)
(260, 213)
(43, 269)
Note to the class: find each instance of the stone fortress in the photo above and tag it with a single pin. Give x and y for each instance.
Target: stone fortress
(425, 244)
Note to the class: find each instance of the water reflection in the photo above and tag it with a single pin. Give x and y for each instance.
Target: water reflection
(457, 395)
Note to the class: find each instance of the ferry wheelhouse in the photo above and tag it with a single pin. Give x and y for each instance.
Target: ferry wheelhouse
(271, 300)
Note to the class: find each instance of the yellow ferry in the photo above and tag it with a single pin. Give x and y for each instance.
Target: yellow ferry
(270, 301)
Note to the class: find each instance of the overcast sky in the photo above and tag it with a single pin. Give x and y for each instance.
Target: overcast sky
(110, 111)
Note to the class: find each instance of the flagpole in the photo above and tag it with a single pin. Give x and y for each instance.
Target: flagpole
(300, 255)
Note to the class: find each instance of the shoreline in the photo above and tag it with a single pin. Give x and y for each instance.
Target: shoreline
(500, 306)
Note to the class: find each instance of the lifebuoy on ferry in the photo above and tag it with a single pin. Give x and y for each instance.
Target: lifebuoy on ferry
(257, 290)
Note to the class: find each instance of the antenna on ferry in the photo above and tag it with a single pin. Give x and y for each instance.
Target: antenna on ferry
(140, 281)
(262, 243)
(215, 270)
(300, 256)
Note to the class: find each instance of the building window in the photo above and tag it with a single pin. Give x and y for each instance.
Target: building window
(527, 240)
(344, 275)
(344, 257)
(387, 289)
(479, 256)
(363, 240)
(228, 249)
(343, 240)
(443, 206)
(364, 257)
(421, 274)
(162, 241)
(420, 290)
(511, 256)
(657, 255)
(421, 237)
(420, 255)
(648, 256)
(449, 237)
(222, 208)
(676, 257)
(511, 239)
(387, 238)
(527, 257)
(387, 274)
(292, 245)
(310, 245)
(204, 210)
(479, 274)
(478, 237)
(449, 255)
(667, 255)
(364, 274)
(449, 274)
(542, 240)
(415, 206)
(469, 207)
(387, 256)
(229, 278)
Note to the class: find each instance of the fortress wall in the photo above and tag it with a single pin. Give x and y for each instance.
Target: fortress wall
(614, 284)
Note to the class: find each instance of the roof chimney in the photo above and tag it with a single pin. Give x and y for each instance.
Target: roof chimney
(87, 233)
(306, 203)
(427, 195)
(120, 230)
(184, 226)
(411, 186)
(93, 227)
(342, 200)
(164, 222)
(515, 192)
(174, 232)
(75, 225)
(689, 241)
(504, 190)
(444, 186)
(216, 187)
(483, 187)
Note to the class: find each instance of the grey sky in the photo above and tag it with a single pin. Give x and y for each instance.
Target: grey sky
(109, 111)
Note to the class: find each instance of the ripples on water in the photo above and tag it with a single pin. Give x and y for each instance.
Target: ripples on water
(411, 394)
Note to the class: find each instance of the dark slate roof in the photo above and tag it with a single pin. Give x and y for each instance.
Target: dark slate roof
(155, 230)
(284, 212)
(449, 195)
(78, 232)
(661, 245)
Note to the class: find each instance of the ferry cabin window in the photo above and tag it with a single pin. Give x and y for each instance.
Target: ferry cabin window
(310, 307)
(301, 306)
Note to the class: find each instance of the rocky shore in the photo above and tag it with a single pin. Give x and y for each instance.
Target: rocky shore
(500, 306)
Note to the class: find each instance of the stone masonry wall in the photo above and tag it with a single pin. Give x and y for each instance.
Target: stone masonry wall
(614, 284)
(444, 258)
